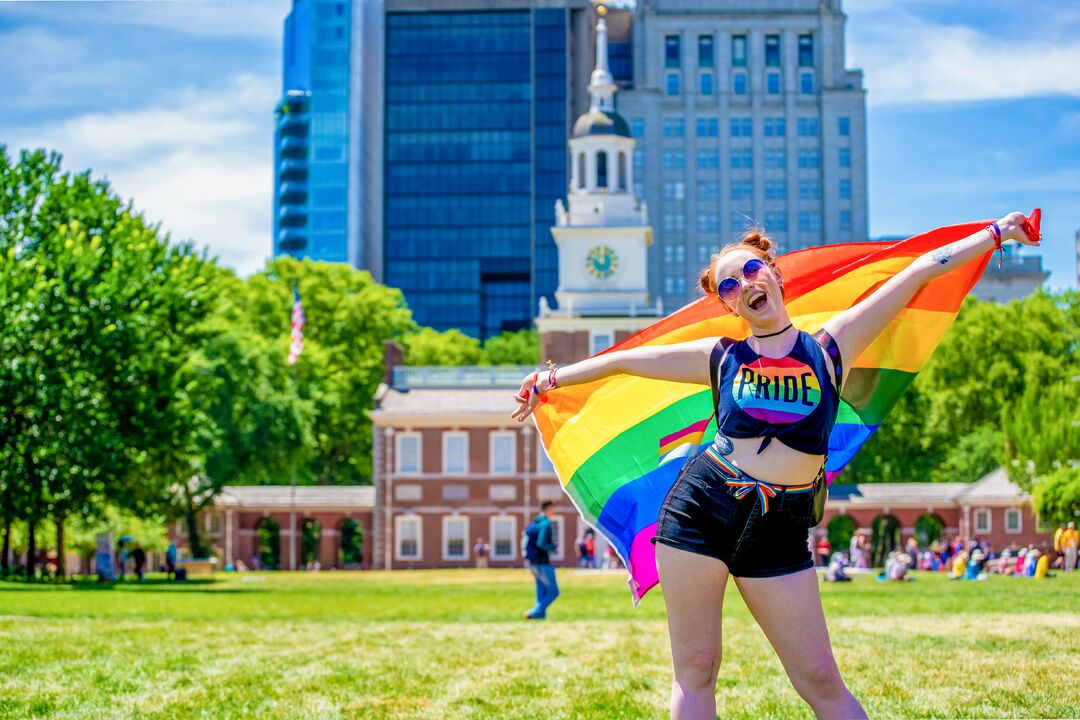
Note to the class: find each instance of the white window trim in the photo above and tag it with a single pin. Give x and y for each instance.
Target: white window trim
(513, 452)
(559, 553)
(447, 519)
(1019, 525)
(975, 520)
(398, 522)
(594, 332)
(542, 453)
(445, 438)
(513, 536)
(398, 438)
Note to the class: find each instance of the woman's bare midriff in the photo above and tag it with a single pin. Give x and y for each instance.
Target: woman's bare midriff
(777, 463)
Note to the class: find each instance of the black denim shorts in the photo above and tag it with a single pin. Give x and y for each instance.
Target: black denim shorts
(756, 528)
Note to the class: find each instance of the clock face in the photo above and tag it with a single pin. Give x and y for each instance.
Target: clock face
(602, 261)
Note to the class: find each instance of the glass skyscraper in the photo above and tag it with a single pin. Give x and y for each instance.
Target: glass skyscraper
(476, 108)
(311, 194)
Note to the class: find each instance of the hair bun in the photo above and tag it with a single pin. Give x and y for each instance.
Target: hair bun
(757, 240)
(707, 281)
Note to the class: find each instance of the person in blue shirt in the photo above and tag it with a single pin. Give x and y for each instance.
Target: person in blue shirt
(539, 544)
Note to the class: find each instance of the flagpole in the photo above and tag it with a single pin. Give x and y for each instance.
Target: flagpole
(292, 492)
(296, 346)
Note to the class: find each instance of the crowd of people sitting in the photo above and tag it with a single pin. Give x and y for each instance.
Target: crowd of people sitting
(963, 559)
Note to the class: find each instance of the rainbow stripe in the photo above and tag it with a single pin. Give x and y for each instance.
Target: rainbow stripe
(603, 437)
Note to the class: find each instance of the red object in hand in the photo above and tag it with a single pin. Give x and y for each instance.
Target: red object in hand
(1031, 225)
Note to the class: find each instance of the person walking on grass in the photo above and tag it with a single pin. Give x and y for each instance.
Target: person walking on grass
(480, 550)
(539, 544)
(716, 521)
(1070, 541)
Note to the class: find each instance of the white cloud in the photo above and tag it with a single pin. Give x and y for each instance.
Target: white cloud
(201, 165)
(908, 59)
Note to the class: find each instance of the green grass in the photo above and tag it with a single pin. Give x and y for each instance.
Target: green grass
(451, 644)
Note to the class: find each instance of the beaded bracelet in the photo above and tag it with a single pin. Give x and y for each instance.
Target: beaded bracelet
(553, 382)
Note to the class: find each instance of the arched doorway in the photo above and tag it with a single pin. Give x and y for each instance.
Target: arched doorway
(351, 554)
(928, 529)
(269, 547)
(841, 529)
(884, 538)
(310, 535)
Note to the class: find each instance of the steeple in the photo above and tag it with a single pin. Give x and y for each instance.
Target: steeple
(601, 85)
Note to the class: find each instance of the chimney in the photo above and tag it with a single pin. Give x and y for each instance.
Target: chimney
(393, 356)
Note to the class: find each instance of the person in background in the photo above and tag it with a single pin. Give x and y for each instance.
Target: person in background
(170, 562)
(481, 551)
(824, 549)
(539, 544)
(1042, 565)
(1021, 559)
(837, 565)
(1070, 541)
(1005, 564)
(590, 549)
(138, 557)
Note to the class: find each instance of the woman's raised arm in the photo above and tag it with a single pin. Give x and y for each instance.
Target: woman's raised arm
(682, 362)
(855, 328)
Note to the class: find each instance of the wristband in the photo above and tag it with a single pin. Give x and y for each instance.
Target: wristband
(995, 232)
(536, 390)
(553, 382)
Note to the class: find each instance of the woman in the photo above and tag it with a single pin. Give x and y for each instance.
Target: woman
(743, 506)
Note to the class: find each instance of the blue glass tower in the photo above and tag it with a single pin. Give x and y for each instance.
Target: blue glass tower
(476, 108)
(311, 194)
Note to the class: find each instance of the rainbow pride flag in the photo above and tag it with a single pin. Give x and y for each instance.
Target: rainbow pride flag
(618, 444)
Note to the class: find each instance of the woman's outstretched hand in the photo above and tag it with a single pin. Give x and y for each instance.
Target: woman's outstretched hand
(526, 399)
(1025, 230)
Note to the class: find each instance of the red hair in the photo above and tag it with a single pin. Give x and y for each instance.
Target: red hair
(755, 242)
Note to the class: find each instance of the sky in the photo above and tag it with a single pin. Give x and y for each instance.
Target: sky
(973, 110)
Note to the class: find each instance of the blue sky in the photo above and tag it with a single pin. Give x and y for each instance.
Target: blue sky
(973, 110)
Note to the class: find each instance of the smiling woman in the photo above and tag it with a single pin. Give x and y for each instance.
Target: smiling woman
(743, 507)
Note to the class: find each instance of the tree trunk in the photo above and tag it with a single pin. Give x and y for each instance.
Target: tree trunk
(194, 541)
(31, 551)
(60, 569)
(4, 563)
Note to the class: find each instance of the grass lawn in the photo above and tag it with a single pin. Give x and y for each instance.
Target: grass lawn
(451, 644)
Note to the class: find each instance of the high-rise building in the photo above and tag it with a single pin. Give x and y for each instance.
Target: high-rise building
(320, 131)
(477, 98)
(745, 114)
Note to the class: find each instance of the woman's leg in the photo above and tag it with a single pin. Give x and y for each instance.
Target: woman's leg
(788, 609)
(693, 588)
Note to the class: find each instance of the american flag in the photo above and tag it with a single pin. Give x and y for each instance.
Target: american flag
(296, 346)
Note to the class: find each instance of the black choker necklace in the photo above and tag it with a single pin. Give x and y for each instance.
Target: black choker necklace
(778, 332)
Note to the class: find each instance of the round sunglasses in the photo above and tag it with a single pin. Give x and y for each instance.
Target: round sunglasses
(730, 287)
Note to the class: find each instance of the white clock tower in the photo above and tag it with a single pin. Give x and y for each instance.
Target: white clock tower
(603, 237)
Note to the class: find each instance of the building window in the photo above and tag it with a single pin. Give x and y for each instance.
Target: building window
(775, 190)
(706, 86)
(982, 520)
(213, 524)
(709, 190)
(742, 159)
(599, 341)
(672, 51)
(557, 525)
(772, 51)
(809, 190)
(708, 222)
(408, 453)
(543, 462)
(622, 171)
(1014, 522)
(845, 157)
(601, 170)
(738, 51)
(808, 127)
(503, 540)
(455, 453)
(637, 127)
(738, 83)
(772, 83)
(707, 127)
(408, 493)
(503, 493)
(503, 446)
(639, 159)
(810, 159)
(845, 221)
(742, 189)
(673, 84)
(705, 51)
(408, 531)
(776, 221)
(843, 125)
(845, 189)
(741, 126)
(674, 190)
(806, 83)
(775, 126)
(809, 221)
(674, 253)
(806, 51)
(639, 188)
(455, 530)
(776, 159)
(674, 285)
(740, 220)
(455, 492)
(581, 170)
(674, 127)
(708, 159)
(674, 222)
(674, 159)
(704, 254)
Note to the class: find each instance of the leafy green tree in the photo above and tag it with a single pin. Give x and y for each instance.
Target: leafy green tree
(1043, 425)
(1056, 497)
(427, 346)
(513, 348)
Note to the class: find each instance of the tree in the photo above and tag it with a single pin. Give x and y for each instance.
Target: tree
(1043, 425)
(513, 348)
(427, 346)
(1056, 497)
